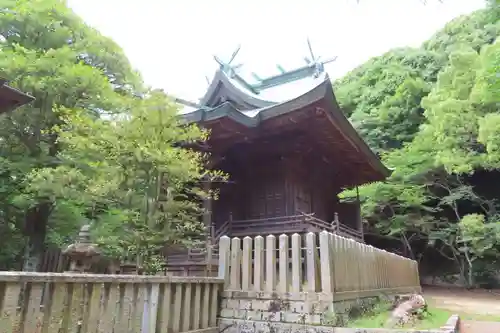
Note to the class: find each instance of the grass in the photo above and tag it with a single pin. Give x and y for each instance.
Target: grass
(377, 318)
(479, 317)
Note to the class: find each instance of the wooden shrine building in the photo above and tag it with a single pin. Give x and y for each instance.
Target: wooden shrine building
(11, 98)
(288, 150)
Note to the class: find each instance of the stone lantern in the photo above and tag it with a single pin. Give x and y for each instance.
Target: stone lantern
(82, 253)
(132, 267)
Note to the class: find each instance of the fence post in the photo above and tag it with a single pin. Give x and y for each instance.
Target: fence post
(224, 252)
(417, 273)
(246, 262)
(283, 264)
(296, 263)
(270, 263)
(332, 260)
(345, 263)
(326, 270)
(258, 277)
(368, 276)
(337, 260)
(235, 264)
(355, 264)
(311, 263)
(380, 268)
(389, 278)
(395, 267)
(372, 277)
(363, 268)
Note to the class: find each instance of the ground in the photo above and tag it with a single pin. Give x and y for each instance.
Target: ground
(479, 309)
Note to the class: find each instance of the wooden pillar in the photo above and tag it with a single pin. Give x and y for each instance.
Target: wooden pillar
(359, 219)
(335, 225)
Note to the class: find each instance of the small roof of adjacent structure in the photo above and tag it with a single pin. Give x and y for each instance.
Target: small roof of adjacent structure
(231, 98)
(11, 98)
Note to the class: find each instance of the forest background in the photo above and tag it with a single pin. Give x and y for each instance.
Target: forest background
(98, 147)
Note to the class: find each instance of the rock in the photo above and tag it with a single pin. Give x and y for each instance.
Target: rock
(403, 312)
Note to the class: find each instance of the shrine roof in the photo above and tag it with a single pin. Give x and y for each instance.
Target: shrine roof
(251, 117)
(11, 98)
(234, 97)
(321, 91)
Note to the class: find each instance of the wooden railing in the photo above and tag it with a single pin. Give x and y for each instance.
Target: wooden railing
(345, 231)
(275, 225)
(221, 231)
(281, 224)
(191, 255)
(284, 224)
(91, 303)
(318, 223)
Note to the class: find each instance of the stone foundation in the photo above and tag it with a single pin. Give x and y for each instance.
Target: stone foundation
(261, 309)
(241, 326)
(250, 326)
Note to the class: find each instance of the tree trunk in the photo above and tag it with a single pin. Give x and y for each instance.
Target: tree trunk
(35, 231)
(470, 272)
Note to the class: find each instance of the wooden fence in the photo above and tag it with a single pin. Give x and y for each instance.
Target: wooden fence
(91, 303)
(324, 266)
(323, 263)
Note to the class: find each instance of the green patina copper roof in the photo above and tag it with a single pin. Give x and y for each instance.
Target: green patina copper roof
(251, 102)
(253, 117)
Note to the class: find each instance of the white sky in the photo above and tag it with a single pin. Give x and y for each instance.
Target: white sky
(172, 43)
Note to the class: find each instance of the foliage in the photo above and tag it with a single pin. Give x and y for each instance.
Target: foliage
(383, 96)
(48, 52)
(95, 147)
(129, 177)
(432, 196)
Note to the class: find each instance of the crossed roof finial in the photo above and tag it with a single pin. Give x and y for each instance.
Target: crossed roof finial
(314, 66)
(315, 61)
(226, 66)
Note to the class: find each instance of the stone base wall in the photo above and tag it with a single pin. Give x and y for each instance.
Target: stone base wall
(248, 310)
(242, 326)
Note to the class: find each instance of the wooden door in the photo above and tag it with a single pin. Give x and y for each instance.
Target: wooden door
(302, 200)
(275, 199)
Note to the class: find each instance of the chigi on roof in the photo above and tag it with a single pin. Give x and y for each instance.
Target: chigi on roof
(249, 91)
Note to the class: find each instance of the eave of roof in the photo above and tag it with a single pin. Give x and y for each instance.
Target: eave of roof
(345, 127)
(252, 118)
(225, 110)
(13, 98)
(322, 91)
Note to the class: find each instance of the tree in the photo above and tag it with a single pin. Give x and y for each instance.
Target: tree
(49, 52)
(382, 97)
(130, 177)
(433, 198)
